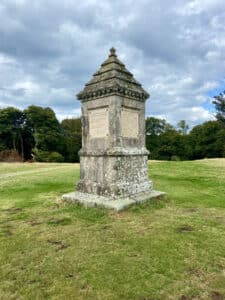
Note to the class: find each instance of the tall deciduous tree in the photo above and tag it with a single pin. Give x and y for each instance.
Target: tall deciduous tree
(182, 127)
(15, 132)
(46, 129)
(72, 132)
(165, 142)
(219, 102)
(207, 140)
(155, 126)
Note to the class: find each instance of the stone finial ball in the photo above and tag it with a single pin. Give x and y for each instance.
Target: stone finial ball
(112, 51)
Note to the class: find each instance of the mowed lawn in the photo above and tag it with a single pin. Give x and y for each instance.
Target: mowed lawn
(166, 249)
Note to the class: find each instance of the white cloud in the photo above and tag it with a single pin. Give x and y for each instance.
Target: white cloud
(176, 49)
(75, 113)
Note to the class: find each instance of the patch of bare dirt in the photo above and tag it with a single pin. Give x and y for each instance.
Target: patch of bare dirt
(183, 297)
(6, 232)
(85, 288)
(33, 222)
(190, 210)
(185, 228)
(217, 296)
(13, 210)
(59, 245)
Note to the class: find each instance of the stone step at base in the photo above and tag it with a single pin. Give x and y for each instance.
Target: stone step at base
(118, 204)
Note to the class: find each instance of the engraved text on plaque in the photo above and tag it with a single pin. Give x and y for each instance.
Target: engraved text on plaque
(129, 123)
(98, 122)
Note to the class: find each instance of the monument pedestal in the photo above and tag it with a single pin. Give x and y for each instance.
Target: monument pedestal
(114, 173)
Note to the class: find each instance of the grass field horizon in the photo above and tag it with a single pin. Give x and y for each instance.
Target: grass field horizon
(164, 249)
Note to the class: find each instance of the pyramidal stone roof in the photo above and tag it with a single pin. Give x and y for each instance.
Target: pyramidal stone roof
(112, 79)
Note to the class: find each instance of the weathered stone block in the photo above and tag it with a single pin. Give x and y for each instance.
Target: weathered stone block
(114, 175)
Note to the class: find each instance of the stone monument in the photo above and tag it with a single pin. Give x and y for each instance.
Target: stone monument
(113, 158)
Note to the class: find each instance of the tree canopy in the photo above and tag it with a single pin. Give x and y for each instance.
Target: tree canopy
(15, 132)
(36, 132)
(219, 102)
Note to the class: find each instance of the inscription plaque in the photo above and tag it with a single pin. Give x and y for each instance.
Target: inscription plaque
(98, 122)
(129, 122)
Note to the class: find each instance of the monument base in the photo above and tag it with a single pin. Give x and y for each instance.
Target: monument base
(118, 204)
(118, 173)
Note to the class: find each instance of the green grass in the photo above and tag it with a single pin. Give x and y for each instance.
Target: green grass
(171, 249)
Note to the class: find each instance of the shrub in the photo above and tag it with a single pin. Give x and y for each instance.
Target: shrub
(55, 157)
(175, 158)
(45, 156)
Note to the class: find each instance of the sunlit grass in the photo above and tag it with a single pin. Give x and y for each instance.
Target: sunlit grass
(171, 249)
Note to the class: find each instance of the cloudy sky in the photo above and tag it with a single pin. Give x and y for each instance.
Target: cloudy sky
(176, 48)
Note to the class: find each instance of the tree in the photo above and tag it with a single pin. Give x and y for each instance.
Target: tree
(15, 132)
(72, 125)
(182, 127)
(47, 132)
(172, 145)
(219, 102)
(73, 135)
(155, 126)
(164, 142)
(207, 140)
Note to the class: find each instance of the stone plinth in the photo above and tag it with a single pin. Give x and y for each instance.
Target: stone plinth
(114, 174)
(118, 204)
(113, 158)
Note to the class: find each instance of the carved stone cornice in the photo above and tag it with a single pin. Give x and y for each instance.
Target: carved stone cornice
(113, 90)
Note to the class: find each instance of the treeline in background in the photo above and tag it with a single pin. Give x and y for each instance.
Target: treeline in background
(35, 134)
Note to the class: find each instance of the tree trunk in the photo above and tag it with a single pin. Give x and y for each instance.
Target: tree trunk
(14, 142)
(22, 148)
